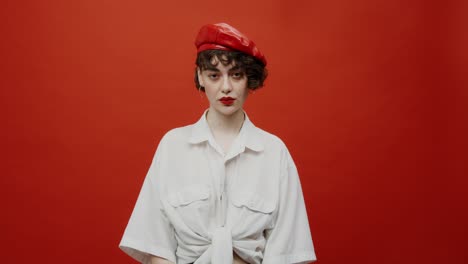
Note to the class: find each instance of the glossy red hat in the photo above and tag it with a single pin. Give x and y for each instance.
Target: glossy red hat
(222, 36)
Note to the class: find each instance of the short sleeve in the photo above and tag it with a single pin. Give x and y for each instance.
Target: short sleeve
(148, 231)
(290, 240)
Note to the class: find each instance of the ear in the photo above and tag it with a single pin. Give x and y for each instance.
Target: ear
(200, 79)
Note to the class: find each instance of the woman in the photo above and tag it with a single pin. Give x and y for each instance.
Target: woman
(221, 191)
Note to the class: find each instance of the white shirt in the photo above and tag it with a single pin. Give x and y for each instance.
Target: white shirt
(198, 205)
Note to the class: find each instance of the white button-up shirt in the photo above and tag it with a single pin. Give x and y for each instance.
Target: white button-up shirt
(199, 204)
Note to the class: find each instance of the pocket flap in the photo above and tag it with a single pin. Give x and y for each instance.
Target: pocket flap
(254, 202)
(189, 194)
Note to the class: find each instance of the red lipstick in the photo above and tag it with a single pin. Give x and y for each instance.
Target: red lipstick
(227, 100)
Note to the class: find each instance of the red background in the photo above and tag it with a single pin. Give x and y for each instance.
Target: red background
(370, 97)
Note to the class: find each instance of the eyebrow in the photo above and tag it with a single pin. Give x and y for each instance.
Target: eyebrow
(211, 69)
(235, 68)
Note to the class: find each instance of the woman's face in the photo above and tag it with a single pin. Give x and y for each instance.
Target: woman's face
(225, 87)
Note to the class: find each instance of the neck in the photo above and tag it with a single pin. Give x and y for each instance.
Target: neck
(230, 124)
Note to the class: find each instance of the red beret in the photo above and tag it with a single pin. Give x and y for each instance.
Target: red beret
(222, 36)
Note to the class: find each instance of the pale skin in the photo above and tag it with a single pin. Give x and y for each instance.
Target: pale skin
(225, 121)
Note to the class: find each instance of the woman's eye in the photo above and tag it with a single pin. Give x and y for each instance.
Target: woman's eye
(238, 75)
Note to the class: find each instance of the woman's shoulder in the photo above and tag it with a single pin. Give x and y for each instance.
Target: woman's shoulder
(177, 134)
(269, 139)
(274, 144)
(174, 140)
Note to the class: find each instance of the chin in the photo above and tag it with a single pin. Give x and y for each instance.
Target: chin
(228, 111)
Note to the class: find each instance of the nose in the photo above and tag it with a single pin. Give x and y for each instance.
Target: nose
(226, 85)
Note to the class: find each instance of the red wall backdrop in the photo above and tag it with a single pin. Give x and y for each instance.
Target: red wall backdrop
(370, 96)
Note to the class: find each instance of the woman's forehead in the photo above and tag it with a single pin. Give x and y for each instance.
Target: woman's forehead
(223, 58)
(221, 67)
(215, 65)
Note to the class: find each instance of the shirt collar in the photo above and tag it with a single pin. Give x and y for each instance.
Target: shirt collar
(249, 135)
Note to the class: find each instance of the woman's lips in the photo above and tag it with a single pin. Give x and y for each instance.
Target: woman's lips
(227, 100)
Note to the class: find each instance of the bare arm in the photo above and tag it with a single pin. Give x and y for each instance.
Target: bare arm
(238, 260)
(158, 260)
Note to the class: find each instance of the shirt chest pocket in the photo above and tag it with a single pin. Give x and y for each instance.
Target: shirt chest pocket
(192, 205)
(254, 211)
(189, 194)
(254, 202)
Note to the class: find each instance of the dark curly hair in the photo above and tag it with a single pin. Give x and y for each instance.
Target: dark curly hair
(254, 69)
